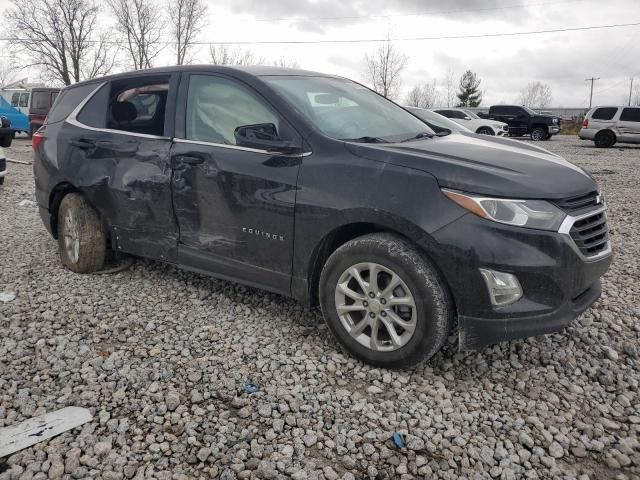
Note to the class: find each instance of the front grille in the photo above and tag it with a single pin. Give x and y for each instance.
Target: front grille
(591, 234)
(581, 202)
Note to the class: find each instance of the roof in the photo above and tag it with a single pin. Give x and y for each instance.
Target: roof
(255, 70)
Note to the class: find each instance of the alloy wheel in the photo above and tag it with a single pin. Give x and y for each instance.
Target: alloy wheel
(376, 307)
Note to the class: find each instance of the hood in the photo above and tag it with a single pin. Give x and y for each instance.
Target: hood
(486, 165)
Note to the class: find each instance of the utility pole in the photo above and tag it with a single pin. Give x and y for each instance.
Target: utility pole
(630, 90)
(592, 79)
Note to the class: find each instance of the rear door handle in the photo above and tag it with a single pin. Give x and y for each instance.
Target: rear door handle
(83, 144)
(191, 159)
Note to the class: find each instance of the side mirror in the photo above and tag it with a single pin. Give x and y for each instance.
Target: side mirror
(263, 136)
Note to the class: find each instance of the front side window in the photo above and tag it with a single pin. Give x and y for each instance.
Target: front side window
(445, 113)
(216, 107)
(345, 110)
(604, 113)
(630, 115)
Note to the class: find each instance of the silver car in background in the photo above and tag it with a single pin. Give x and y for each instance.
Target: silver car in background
(607, 126)
(473, 122)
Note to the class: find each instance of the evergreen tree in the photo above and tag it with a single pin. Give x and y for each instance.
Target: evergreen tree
(469, 94)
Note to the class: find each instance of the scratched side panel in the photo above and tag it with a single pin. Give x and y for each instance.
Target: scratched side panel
(127, 178)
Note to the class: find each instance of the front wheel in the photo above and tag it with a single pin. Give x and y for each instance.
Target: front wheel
(81, 235)
(384, 301)
(538, 134)
(484, 131)
(5, 140)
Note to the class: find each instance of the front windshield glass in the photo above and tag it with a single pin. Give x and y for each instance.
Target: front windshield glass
(344, 110)
(471, 114)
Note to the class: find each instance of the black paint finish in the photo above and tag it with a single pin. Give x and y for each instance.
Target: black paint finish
(270, 220)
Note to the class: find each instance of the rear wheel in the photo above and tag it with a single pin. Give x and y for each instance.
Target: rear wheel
(5, 140)
(484, 131)
(384, 302)
(538, 134)
(604, 139)
(81, 235)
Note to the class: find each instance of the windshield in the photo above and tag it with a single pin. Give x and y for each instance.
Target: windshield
(436, 121)
(344, 110)
(471, 114)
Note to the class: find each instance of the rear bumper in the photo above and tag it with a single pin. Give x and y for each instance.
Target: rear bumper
(587, 134)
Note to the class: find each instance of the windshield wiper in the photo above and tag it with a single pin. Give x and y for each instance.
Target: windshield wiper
(418, 137)
(366, 139)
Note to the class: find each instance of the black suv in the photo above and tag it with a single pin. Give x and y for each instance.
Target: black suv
(524, 121)
(316, 187)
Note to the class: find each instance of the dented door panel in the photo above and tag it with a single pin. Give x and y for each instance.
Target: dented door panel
(127, 177)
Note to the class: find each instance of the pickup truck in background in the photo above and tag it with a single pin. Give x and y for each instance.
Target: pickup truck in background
(524, 121)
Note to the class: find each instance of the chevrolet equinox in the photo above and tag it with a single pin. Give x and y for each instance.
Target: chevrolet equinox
(314, 186)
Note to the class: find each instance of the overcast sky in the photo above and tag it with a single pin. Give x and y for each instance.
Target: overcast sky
(505, 64)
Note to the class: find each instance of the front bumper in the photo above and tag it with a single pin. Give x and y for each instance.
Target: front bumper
(554, 129)
(558, 283)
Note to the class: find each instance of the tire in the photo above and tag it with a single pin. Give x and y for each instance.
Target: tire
(484, 131)
(427, 313)
(1, 180)
(538, 134)
(604, 139)
(81, 235)
(6, 140)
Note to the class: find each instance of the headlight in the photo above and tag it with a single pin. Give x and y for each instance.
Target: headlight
(520, 213)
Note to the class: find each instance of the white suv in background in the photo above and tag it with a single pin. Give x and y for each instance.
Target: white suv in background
(473, 122)
(609, 125)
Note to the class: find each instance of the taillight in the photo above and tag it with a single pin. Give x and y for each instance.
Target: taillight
(585, 123)
(37, 139)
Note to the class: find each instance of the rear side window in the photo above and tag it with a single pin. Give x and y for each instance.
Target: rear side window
(444, 113)
(24, 99)
(67, 101)
(604, 113)
(94, 113)
(138, 105)
(630, 115)
(40, 100)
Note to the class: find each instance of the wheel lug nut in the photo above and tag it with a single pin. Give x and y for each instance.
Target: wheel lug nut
(365, 304)
(383, 301)
(372, 315)
(371, 294)
(384, 314)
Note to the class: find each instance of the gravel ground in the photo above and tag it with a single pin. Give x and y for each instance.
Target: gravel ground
(160, 357)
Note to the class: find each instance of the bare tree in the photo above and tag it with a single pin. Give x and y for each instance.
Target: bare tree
(7, 72)
(384, 69)
(141, 23)
(286, 63)
(187, 18)
(536, 95)
(450, 88)
(225, 55)
(61, 38)
(426, 96)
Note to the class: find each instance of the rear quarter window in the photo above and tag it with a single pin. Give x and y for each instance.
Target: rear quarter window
(605, 113)
(67, 101)
(630, 115)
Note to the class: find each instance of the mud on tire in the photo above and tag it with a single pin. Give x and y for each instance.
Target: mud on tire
(81, 235)
(434, 309)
